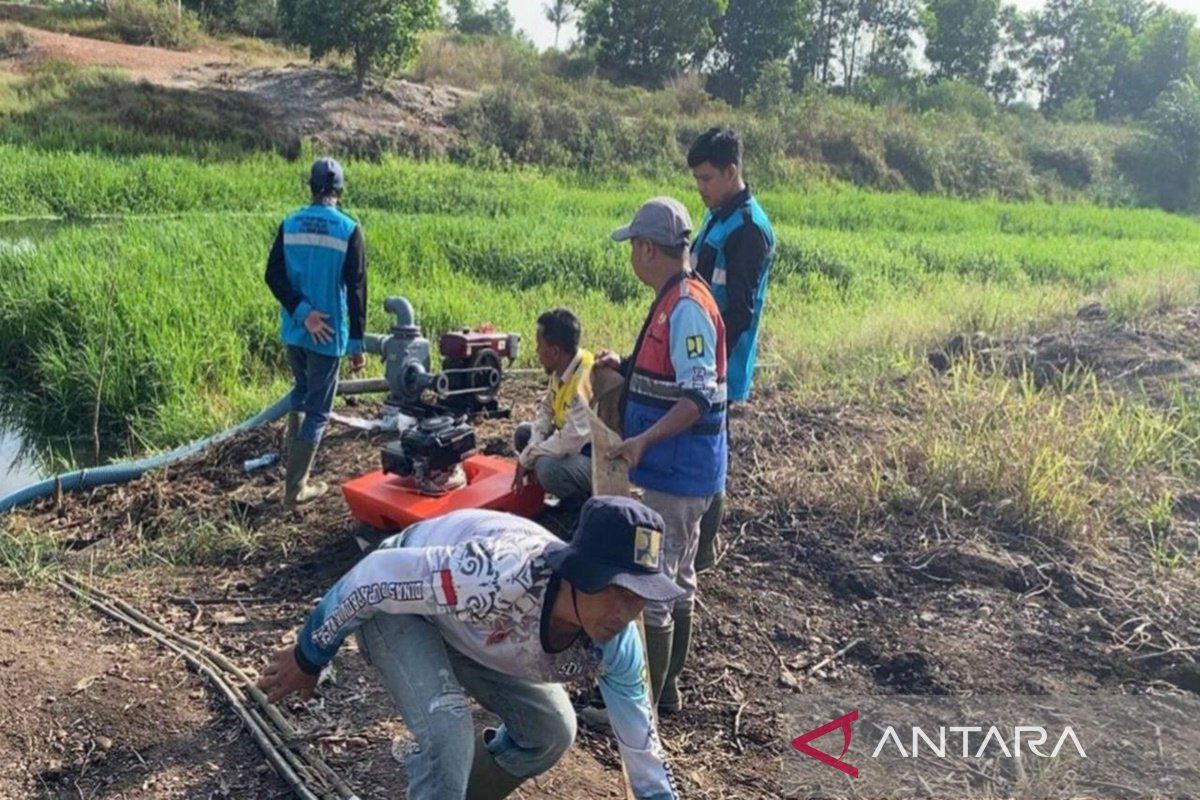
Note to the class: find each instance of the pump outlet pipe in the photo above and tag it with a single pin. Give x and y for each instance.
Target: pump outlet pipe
(128, 470)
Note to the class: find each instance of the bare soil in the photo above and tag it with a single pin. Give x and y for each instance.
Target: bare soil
(302, 101)
(807, 598)
(147, 63)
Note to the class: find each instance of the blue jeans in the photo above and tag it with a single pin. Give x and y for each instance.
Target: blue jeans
(429, 682)
(316, 378)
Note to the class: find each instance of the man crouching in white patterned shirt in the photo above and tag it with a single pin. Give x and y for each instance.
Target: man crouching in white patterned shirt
(495, 607)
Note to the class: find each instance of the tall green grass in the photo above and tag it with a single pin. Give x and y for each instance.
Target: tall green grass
(154, 324)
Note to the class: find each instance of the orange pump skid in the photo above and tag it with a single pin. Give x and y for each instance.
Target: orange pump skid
(383, 502)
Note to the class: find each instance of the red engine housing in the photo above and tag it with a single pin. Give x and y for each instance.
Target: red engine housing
(462, 345)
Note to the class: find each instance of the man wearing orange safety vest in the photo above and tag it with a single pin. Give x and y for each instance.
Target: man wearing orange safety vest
(673, 413)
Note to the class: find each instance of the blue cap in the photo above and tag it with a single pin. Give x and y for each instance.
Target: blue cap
(326, 176)
(619, 542)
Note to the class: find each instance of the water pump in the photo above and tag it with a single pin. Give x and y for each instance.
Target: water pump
(472, 366)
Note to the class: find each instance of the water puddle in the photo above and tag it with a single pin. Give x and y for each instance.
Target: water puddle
(17, 465)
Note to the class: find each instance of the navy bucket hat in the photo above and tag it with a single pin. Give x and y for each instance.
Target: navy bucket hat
(618, 542)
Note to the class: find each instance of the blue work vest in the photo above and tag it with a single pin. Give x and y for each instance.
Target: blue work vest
(715, 233)
(315, 241)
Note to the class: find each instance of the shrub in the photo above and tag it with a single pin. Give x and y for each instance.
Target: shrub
(773, 90)
(524, 126)
(14, 41)
(475, 62)
(955, 97)
(980, 164)
(148, 22)
(913, 154)
(1076, 164)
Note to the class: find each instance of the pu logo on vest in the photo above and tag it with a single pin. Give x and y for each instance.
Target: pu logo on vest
(695, 346)
(647, 544)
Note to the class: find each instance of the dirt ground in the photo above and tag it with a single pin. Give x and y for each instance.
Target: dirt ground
(806, 599)
(303, 101)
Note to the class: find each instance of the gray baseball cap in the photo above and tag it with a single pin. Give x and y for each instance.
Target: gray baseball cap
(663, 220)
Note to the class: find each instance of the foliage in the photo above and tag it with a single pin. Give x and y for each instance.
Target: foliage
(751, 35)
(165, 322)
(380, 36)
(153, 22)
(961, 38)
(646, 43)
(469, 18)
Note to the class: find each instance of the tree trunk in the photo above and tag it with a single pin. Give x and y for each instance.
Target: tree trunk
(360, 69)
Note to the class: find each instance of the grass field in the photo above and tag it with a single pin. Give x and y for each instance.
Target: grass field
(147, 313)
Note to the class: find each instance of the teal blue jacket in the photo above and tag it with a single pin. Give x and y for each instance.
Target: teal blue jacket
(734, 253)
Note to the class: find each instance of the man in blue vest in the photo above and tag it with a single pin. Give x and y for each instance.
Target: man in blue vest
(733, 252)
(673, 414)
(317, 271)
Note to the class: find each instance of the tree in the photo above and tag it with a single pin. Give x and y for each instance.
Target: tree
(891, 26)
(649, 41)
(816, 54)
(380, 35)
(1111, 58)
(1006, 81)
(494, 21)
(771, 93)
(559, 13)
(1071, 54)
(752, 34)
(1175, 122)
(961, 38)
(861, 38)
(1154, 56)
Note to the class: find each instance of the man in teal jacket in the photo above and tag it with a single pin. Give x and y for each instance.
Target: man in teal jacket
(317, 271)
(734, 253)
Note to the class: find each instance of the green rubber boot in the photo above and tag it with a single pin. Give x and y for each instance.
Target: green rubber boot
(671, 701)
(658, 657)
(291, 430)
(488, 780)
(297, 489)
(710, 529)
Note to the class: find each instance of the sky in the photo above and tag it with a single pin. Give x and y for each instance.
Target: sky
(529, 17)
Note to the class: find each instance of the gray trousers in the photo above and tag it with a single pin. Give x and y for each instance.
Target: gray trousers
(681, 540)
(429, 682)
(565, 477)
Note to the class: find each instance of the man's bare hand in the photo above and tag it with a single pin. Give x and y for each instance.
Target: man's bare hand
(284, 676)
(607, 359)
(520, 479)
(315, 323)
(630, 451)
(357, 362)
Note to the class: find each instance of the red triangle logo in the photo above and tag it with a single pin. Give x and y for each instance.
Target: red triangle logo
(801, 743)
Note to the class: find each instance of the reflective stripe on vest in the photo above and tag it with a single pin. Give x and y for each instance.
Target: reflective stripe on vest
(315, 242)
(667, 392)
